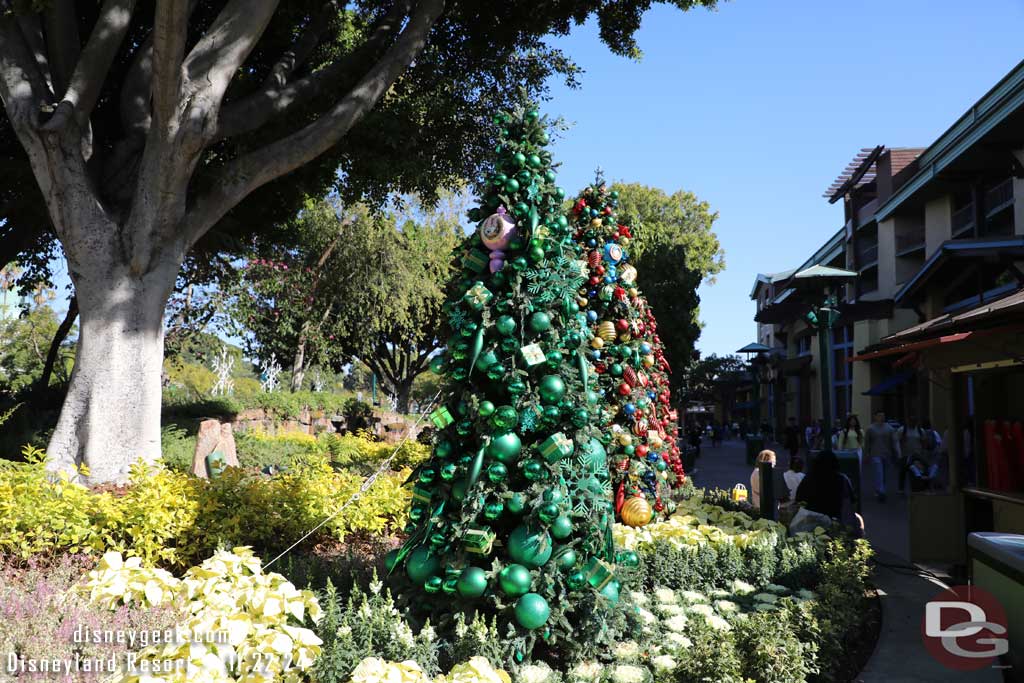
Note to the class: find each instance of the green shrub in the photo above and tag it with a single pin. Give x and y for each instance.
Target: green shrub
(771, 649)
(178, 447)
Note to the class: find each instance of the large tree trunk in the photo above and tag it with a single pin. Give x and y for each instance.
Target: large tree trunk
(299, 365)
(111, 416)
(403, 394)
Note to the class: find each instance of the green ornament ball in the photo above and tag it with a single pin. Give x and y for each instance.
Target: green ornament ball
(532, 611)
(486, 360)
(519, 264)
(561, 528)
(512, 185)
(495, 372)
(540, 322)
(548, 513)
(629, 559)
(437, 364)
(448, 471)
(580, 417)
(554, 358)
(459, 374)
(516, 387)
(486, 409)
(551, 389)
(472, 582)
(534, 161)
(552, 413)
(427, 475)
(505, 325)
(529, 547)
(497, 472)
(534, 470)
(421, 565)
(593, 398)
(505, 447)
(450, 585)
(519, 159)
(505, 417)
(576, 581)
(433, 584)
(493, 510)
(565, 558)
(536, 254)
(515, 580)
(553, 495)
(516, 504)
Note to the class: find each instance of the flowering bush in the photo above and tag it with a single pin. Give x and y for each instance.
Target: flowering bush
(239, 623)
(174, 519)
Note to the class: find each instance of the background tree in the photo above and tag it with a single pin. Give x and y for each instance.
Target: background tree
(358, 287)
(145, 125)
(704, 377)
(676, 249)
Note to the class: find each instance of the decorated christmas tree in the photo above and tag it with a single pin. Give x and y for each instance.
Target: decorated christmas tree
(512, 514)
(629, 362)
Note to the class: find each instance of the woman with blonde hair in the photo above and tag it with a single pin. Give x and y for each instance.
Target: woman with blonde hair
(755, 477)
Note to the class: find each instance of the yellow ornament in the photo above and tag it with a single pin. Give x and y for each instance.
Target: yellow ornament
(625, 439)
(633, 292)
(628, 274)
(606, 330)
(625, 336)
(624, 242)
(636, 512)
(596, 223)
(597, 343)
(655, 441)
(648, 361)
(582, 301)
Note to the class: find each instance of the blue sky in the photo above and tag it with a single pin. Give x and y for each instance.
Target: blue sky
(757, 106)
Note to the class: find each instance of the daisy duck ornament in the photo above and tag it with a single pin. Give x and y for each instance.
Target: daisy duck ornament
(496, 232)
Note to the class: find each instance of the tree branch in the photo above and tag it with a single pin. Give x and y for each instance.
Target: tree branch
(220, 53)
(32, 31)
(170, 30)
(22, 87)
(62, 41)
(242, 176)
(304, 45)
(275, 97)
(94, 63)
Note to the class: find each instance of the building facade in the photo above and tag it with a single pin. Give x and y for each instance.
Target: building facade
(933, 326)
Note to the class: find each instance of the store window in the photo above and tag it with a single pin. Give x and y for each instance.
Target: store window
(994, 430)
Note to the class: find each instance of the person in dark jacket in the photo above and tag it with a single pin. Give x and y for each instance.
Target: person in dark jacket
(829, 492)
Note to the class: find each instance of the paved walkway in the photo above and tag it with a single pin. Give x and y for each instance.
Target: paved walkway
(900, 656)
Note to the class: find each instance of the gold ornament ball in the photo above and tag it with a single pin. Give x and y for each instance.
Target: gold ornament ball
(606, 331)
(597, 343)
(636, 512)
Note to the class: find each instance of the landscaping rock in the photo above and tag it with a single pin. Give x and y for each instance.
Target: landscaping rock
(214, 436)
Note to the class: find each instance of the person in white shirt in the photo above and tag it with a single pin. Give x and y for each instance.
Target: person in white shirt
(755, 477)
(794, 475)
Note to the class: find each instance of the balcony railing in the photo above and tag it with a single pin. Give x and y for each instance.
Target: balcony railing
(999, 197)
(909, 241)
(963, 220)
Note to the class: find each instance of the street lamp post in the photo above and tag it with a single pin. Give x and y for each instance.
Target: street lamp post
(756, 360)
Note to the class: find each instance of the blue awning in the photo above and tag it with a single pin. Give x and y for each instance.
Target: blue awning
(887, 385)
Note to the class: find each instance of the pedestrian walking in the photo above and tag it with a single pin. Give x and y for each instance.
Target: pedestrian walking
(881, 445)
(792, 437)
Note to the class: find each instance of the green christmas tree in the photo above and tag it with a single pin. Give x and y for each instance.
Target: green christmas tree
(512, 514)
(628, 358)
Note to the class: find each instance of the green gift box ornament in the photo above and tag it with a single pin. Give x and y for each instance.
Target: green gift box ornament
(441, 417)
(475, 260)
(556, 447)
(421, 494)
(599, 573)
(478, 540)
(478, 296)
(533, 354)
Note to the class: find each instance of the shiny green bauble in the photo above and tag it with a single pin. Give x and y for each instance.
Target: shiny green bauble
(495, 372)
(551, 389)
(565, 558)
(448, 471)
(552, 413)
(535, 254)
(444, 449)
(573, 339)
(464, 427)
(498, 279)
(516, 387)
(509, 345)
(427, 475)
(563, 222)
(532, 115)
(421, 565)
(516, 504)
(628, 558)
(433, 584)
(561, 528)
(554, 358)
(553, 495)
(450, 585)
(550, 176)
(417, 513)
(548, 513)
(593, 398)
(472, 582)
(611, 591)
(511, 185)
(660, 465)
(519, 159)
(493, 510)
(580, 417)
(519, 264)
(438, 539)
(486, 409)
(505, 417)
(540, 322)
(534, 161)
(391, 559)
(532, 611)
(505, 447)
(486, 360)
(615, 370)
(497, 472)
(515, 580)
(459, 350)
(529, 547)
(521, 209)
(534, 470)
(437, 364)
(459, 374)
(505, 325)
(629, 450)
(543, 139)
(576, 581)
